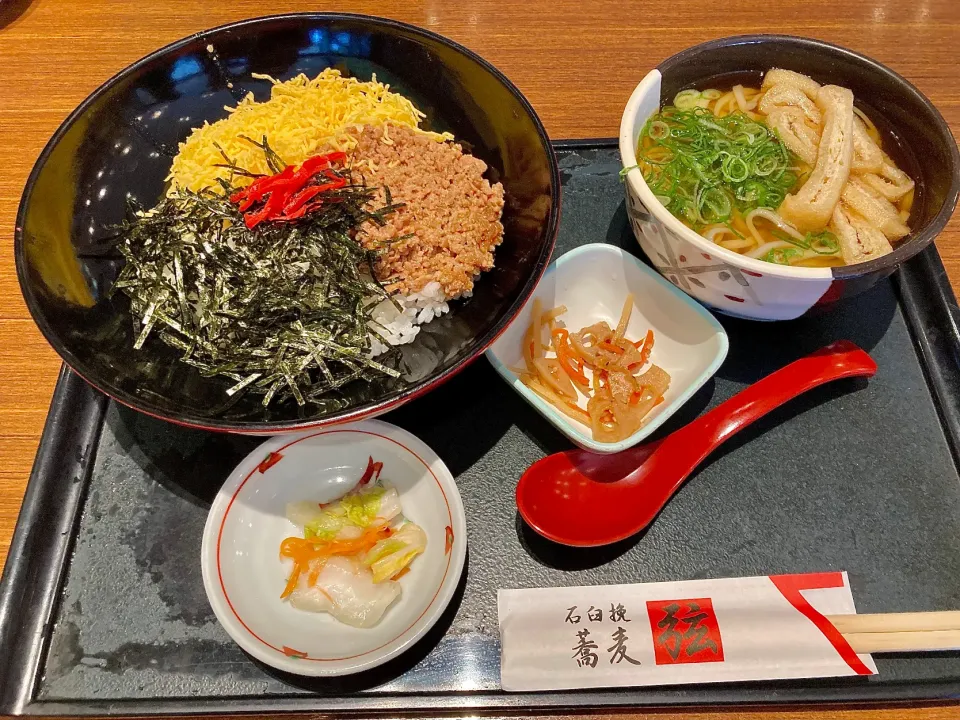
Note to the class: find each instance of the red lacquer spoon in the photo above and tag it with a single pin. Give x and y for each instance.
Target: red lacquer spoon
(582, 499)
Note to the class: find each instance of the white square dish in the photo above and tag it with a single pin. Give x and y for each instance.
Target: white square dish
(593, 281)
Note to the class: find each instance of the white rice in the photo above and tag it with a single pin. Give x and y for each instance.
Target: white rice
(401, 327)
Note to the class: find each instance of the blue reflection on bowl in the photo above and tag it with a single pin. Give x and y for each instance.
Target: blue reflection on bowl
(185, 67)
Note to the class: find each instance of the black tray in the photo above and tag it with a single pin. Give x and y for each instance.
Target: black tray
(102, 610)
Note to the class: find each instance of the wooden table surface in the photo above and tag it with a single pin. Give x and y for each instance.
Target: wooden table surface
(576, 61)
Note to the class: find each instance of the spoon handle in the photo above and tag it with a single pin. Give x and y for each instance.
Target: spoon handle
(838, 360)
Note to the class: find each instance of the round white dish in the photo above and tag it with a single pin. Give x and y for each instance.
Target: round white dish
(244, 576)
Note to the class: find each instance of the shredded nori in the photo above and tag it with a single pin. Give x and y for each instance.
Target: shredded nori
(281, 310)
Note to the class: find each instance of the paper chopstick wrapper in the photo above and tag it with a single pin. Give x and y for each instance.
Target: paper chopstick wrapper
(697, 631)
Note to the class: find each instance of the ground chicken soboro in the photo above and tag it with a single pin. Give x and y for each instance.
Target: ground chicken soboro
(450, 222)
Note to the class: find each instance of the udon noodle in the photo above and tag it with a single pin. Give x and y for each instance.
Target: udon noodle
(790, 172)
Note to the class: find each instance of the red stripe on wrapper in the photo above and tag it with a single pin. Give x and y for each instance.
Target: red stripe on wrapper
(791, 587)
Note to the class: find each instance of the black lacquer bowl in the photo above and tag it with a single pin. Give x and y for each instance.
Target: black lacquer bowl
(119, 144)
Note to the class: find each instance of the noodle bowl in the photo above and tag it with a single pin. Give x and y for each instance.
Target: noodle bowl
(724, 276)
(789, 172)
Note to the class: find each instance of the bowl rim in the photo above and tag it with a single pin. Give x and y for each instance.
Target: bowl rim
(565, 424)
(252, 643)
(366, 410)
(918, 240)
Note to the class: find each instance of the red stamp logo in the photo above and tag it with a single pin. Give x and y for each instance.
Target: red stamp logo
(684, 631)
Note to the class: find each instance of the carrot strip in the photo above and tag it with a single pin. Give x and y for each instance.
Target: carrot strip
(607, 345)
(292, 580)
(302, 551)
(570, 364)
(566, 360)
(645, 347)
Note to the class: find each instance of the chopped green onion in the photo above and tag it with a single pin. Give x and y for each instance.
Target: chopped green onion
(714, 205)
(686, 151)
(732, 229)
(780, 235)
(752, 191)
(783, 256)
(766, 165)
(735, 169)
(686, 99)
(774, 198)
(823, 243)
(658, 130)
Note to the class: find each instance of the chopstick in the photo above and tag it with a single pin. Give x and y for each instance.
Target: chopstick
(900, 632)
(897, 622)
(920, 641)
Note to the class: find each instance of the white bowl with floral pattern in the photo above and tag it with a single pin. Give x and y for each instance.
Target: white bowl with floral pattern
(735, 284)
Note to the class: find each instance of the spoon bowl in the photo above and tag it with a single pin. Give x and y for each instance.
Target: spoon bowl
(582, 499)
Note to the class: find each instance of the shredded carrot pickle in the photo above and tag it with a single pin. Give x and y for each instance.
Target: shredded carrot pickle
(302, 551)
(618, 396)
